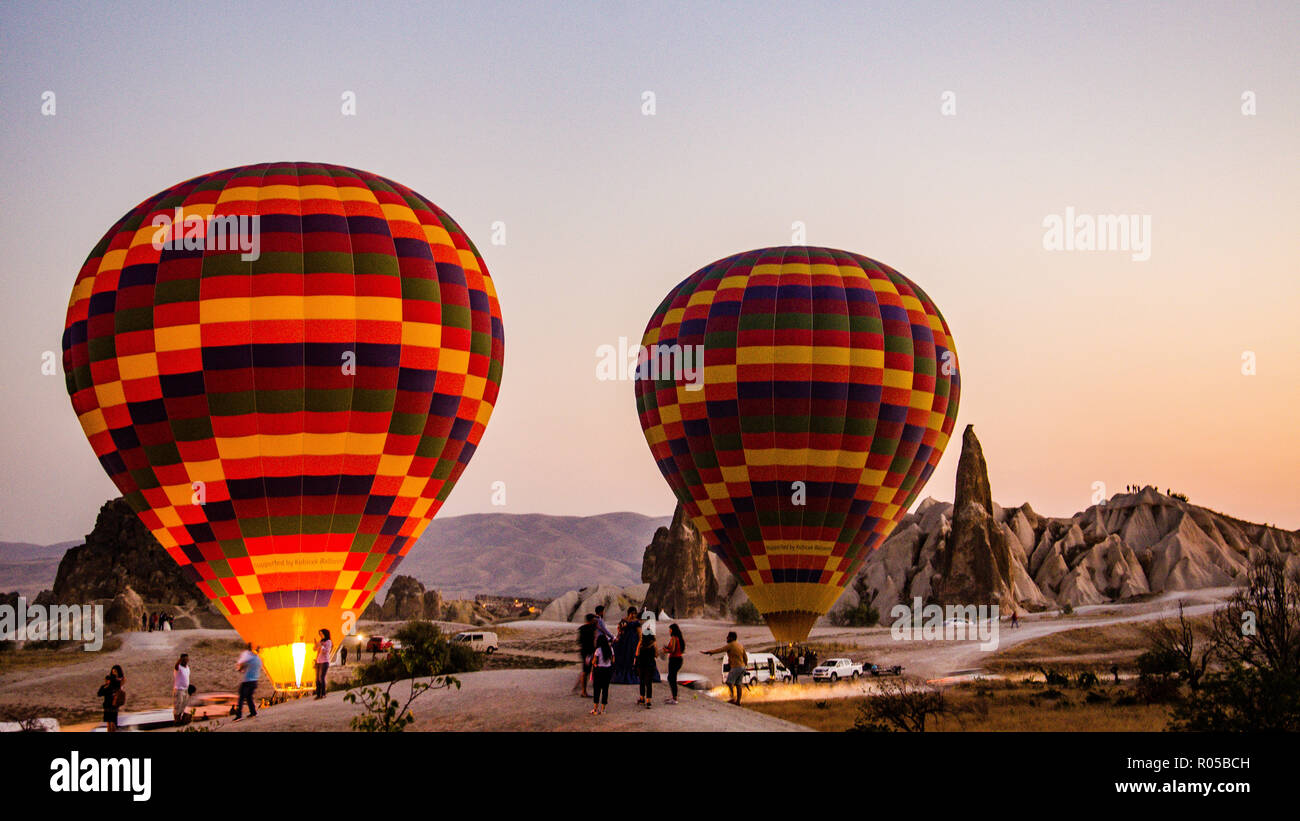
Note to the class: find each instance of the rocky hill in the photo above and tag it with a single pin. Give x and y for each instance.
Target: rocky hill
(29, 568)
(120, 553)
(975, 551)
(530, 554)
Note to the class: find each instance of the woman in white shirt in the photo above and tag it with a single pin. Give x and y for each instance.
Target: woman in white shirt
(324, 649)
(602, 670)
(181, 687)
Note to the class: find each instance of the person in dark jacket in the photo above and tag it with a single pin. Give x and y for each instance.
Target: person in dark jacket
(113, 695)
(586, 649)
(673, 650)
(646, 669)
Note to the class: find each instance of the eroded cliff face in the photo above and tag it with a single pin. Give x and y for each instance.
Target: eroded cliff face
(678, 570)
(976, 552)
(974, 566)
(121, 553)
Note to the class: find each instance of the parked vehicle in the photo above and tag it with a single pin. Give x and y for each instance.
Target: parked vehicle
(836, 669)
(766, 668)
(378, 644)
(484, 641)
(877, 670)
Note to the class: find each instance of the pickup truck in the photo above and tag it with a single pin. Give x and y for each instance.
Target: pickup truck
(836, 669)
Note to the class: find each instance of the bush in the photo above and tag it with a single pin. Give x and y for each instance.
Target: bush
(1094, 697)
(1054, 679)
(747, 613)
(425, 652)
(1087, 680)
(1242, 699)
(864, 615)
(1157, 690)
(901, 705)
(1067, 609)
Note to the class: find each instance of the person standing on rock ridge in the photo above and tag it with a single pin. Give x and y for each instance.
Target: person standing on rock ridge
(737, 660)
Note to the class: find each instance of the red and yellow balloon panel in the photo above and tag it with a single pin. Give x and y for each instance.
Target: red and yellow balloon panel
(285, 401)
(829, 392)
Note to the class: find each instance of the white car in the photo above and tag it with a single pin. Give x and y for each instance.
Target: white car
(836, 669)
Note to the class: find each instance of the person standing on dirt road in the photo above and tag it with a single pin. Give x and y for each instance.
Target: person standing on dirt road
(586, 649)
(180, 687)
(250, 664)
(673, 650)
(113, 695)
(737, 660)
(646, 651)
(602, 670)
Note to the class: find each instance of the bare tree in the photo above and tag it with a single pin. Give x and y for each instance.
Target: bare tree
(1260, 626)
(905, 705)
(1178, 643)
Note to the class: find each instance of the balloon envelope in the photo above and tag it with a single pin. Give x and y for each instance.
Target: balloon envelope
(285, 368)
(827, 393)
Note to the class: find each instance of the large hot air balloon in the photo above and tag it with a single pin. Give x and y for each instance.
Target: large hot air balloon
(828, 392)
(285, 368)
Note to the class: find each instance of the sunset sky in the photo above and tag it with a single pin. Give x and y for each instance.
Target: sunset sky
(1077, 366)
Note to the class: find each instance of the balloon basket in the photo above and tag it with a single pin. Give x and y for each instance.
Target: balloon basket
(290, 692)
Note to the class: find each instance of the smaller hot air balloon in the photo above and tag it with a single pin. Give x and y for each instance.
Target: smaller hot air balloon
(285, 368)
(827, 393)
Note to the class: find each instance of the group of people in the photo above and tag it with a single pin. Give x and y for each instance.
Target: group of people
(631, 655)
(248, 666)
(799, 660)
(156, 621)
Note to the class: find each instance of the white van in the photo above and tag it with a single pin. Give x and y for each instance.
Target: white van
(766, 668)
(483, 641)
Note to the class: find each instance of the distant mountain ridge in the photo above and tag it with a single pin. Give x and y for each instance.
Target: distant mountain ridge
(29, 568)
(530, 554)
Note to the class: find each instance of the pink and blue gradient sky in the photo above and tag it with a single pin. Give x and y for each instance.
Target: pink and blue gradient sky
(1077, 367)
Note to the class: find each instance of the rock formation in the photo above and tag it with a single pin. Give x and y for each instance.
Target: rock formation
(125, 611)
(1132, 544)
(575, 604)
(405, 600)
(678, 571)
(121, 553)
(464, 611)
(975, 564)
(432, 605)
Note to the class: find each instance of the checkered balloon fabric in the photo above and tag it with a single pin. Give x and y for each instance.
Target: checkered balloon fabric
(284, 368)
(796, 399)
